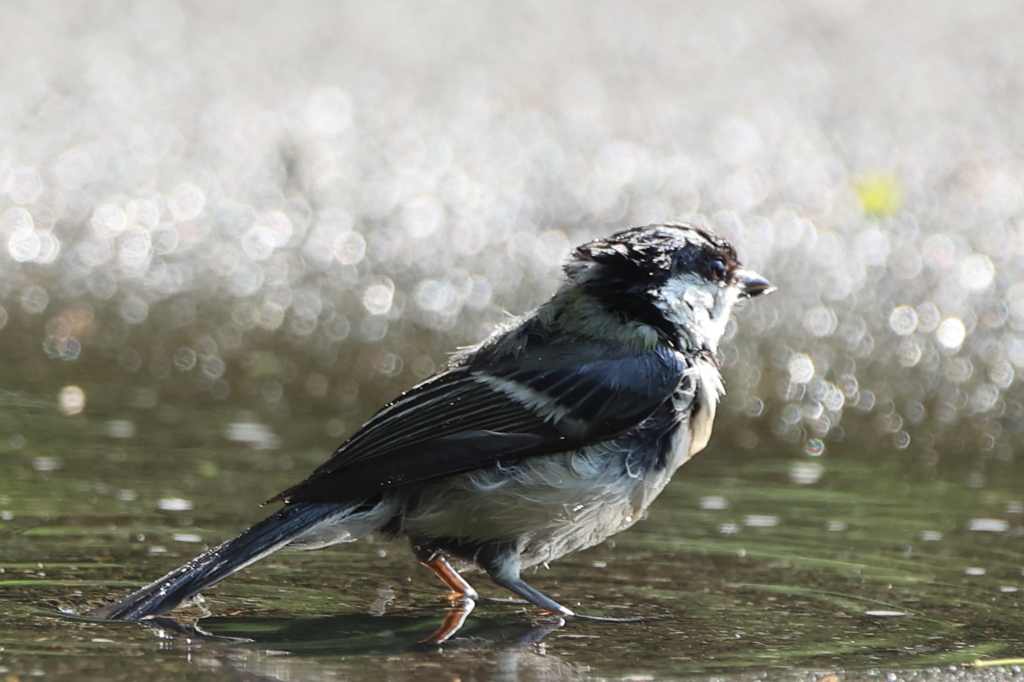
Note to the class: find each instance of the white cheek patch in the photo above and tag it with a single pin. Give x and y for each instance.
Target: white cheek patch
(698, 298)
(724, 303)
(699, 307)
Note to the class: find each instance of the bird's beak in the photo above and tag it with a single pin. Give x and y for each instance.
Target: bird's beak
(752, 284)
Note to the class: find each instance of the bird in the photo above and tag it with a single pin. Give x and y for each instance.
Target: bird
(556, 432)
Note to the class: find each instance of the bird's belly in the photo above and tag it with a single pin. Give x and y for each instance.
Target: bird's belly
(550, 505)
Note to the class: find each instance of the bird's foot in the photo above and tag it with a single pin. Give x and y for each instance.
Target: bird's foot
(456, 596)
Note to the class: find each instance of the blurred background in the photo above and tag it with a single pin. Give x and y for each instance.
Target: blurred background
(229, 233)
(305, 207)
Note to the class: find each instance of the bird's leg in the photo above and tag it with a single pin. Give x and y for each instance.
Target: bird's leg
(462, 595)
(501, 561)
(443, 570)
(523, 589)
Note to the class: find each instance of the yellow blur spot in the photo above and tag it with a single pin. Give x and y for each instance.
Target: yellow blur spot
(208, 469)
(263, 363)
(879, 193)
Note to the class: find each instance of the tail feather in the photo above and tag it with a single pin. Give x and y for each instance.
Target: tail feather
(267, 536)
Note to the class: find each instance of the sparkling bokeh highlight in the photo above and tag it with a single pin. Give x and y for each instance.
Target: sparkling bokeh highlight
(199, 206)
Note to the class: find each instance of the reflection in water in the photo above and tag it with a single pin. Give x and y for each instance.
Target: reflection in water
(312, 648)
(738, 569)
(362, 634)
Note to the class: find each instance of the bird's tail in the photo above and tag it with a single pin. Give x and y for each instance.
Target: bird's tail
(265, 537)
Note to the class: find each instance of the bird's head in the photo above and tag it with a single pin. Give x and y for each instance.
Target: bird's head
(671, 276)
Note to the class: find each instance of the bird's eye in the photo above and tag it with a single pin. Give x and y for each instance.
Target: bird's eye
(717, 269)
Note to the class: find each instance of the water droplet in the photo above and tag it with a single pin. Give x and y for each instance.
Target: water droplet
(174, 504)
(801, 368)
(422, 217)
(939, 252)
(976, 272)
(820, 321)
(212, 367)
(24, 245)
(908, 353)
(257, 435)
(989, 525)
(120, 428)
(271, 315)
(805, 473)
(951, 333)
(552, 247)
(349, 248)
(108, 221)
(46, 463)
(258, 243)
(377, 298)
(189, 199)
(714, 502)
(34, 300)
(278, 225)
(133, 310)
(814, 447)
(928, 317)
(903, 320)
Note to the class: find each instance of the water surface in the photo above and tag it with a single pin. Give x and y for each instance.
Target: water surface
(743, 564)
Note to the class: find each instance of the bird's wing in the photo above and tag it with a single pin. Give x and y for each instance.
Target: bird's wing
(467, 418)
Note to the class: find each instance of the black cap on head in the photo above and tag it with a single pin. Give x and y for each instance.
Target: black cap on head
(654, 253)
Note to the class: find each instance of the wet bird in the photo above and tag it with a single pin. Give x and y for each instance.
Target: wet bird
(553, 434)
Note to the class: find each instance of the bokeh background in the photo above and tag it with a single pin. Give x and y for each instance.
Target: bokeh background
(226, 223)
(305, 206)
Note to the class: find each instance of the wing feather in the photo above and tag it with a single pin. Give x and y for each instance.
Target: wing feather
(467, 418)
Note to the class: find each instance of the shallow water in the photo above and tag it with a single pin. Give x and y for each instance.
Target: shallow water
(883, 562)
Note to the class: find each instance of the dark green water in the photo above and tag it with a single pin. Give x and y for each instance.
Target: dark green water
(889, 560)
